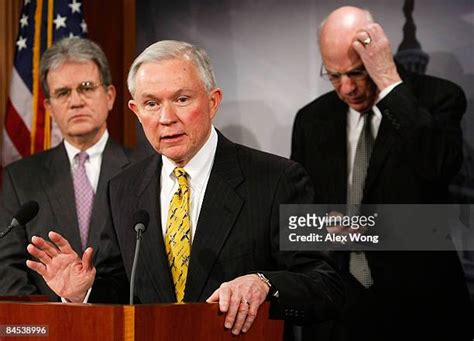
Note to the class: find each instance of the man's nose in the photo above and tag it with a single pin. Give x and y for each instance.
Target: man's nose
(75, 98)
(167, 114)
(347, 85)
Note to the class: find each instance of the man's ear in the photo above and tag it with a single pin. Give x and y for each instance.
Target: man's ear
(111, 93)
(132, 105)
(47, 105)
(215, 98)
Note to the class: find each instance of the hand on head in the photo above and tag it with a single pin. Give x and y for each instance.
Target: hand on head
(374, 49)
(63, 270)
(348, 38)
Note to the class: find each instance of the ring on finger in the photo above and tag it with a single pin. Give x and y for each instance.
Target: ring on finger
(244, 301)
(367, 40)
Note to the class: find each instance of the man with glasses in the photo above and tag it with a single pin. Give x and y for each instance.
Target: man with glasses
(385, 136)
(67, 181)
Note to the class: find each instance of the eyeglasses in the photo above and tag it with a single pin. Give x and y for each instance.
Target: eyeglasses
(357, 73)
(86, 89)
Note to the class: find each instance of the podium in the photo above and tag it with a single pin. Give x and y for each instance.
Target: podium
(103, 322)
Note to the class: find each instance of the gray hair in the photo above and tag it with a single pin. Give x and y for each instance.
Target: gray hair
(172, 49)
(76, 50)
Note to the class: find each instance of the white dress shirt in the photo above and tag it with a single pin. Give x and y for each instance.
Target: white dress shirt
(198, 170)
(95, 159)
(355, 123)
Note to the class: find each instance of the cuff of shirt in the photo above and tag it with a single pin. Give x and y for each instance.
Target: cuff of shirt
(64, 300)
(387, 90)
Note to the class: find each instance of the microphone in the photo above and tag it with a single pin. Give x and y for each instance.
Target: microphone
(25, 213)
(140, 223)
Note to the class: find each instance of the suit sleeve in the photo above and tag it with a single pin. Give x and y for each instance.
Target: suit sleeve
(111, 284)
(298, 140)
(14, 275)
(309, 288)
(426, 113)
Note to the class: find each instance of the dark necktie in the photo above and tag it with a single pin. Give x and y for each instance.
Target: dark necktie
(364, 148)
(358, 264)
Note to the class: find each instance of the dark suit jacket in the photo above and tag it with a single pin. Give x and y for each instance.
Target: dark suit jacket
(46, 178)
(417, 152)
(237, 233)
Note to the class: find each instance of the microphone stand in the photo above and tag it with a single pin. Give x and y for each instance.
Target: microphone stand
(139, 230)
(6, 231)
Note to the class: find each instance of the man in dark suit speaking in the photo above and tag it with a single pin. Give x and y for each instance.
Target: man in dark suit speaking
(69, 181)
(382, 137)
(214, 207)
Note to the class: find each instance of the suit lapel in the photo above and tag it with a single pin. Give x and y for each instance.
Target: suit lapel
(336, 157)
(383, 144)
(59, 188)
(114, 161)
(153, 247)
(220, 208)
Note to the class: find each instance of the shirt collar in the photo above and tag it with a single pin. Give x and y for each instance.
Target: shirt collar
(93, 151)
(355, 116)
(199, 165)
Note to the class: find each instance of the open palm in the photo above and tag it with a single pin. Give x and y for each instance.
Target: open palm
(63, 270)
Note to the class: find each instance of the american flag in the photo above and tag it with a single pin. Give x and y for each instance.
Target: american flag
(28, 127)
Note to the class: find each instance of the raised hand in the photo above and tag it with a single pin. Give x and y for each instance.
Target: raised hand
(68, 275)
(240, 299)
(373, 47)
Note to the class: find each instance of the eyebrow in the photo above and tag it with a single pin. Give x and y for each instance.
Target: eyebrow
(61, 88)
(147, 95)
(355, 68)
(69, 87)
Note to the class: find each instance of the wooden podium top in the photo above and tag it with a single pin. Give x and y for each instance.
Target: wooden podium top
(29, 298)
(194, 321)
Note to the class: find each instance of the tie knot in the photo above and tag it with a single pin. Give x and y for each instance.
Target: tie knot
(181, 175)
(81, 158)
(368, 115)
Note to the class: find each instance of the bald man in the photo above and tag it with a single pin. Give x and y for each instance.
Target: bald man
(409, 126)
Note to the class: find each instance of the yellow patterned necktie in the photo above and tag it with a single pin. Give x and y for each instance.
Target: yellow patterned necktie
(178, 233)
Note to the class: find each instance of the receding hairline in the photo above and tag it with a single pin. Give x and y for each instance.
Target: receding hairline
(369, 17)
(184, 58)
(72, 60)
(173, 49)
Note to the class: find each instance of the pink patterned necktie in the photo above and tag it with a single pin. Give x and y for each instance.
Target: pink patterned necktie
(84, 195)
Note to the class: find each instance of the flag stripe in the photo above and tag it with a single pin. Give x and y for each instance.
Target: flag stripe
(40, 124)
(9, 153)
(20, 97)
(14, 126)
